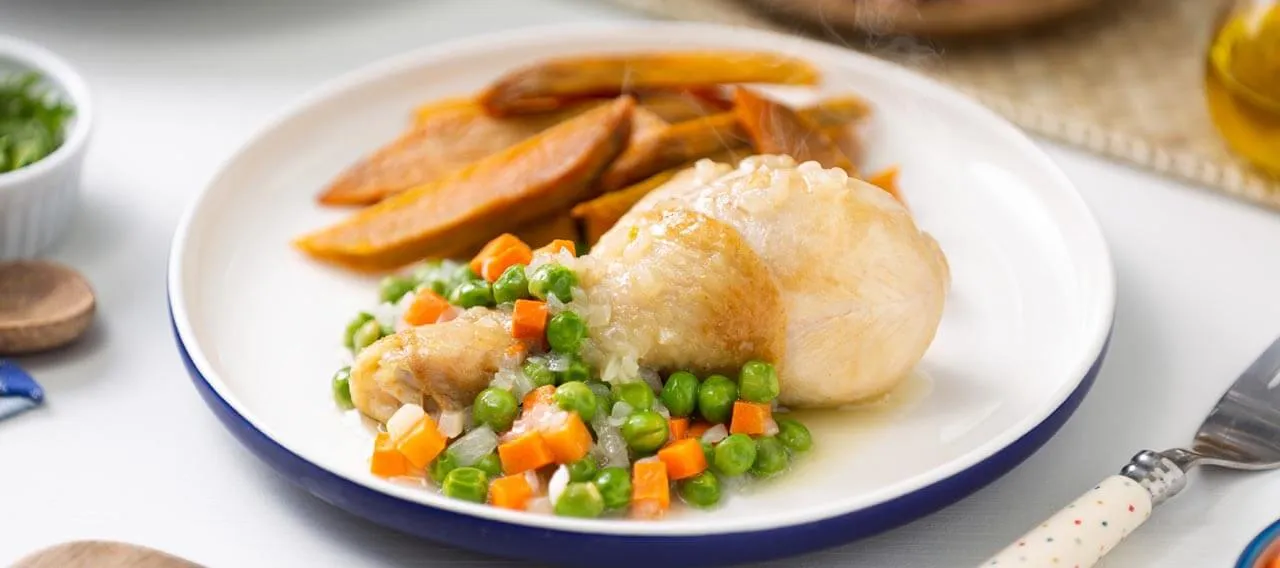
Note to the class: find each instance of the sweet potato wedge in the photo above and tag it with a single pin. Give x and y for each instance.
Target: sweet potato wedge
(673, 146)
(775, 128)
(533, 88)
(444, 137)
(535, 178)
(680, 105)
(600, 214)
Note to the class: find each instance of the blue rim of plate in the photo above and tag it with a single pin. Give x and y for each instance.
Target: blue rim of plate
(1258, 546)
(564, 548)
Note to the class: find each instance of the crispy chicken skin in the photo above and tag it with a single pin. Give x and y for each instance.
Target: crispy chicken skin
(824, 275)
(442, 365)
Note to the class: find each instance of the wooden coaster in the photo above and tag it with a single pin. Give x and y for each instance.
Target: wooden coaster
(43, 305)
(101, 554)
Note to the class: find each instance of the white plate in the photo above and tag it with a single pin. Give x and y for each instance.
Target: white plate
(1026, 323)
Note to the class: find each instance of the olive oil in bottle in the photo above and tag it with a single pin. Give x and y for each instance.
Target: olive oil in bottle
(1242, 81)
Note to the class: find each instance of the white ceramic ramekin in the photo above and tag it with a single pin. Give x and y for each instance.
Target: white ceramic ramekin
(37, 202)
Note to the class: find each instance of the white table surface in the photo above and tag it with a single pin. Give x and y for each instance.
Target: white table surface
(125, 449)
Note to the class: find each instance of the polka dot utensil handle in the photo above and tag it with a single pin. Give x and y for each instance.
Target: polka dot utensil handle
(1083, 532)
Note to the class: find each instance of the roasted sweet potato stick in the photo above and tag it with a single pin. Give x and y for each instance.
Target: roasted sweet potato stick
(528, 181)
(681, 105)
(599, 214)
(887, 179)
(673, 146)
(775, 128)
(530, 89)
(444, 138)
(835, 112)
(690, 140)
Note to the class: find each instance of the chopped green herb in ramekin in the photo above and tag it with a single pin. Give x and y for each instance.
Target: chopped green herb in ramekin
(32, 121)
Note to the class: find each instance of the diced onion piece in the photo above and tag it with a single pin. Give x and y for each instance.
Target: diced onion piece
(715, 433)
(452, 422)
(535, 482)
(474, 445)
(540, 505)
(650, 376)
(770, 427)
(559, 480)
(403, 420)
(621, 410)
(661, 409)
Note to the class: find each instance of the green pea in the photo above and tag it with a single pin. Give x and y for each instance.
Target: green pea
(342, 388)
(680, 394)
(635, 393)
(349, 338)
(702, 490)
(758, 382)
(578, 371)
(441, 466)
(472, 294)
(708, 452)
(491, 465)
(393, 287)
(580, 500)
(436, 275)
(538, 373)
(734, 455)
(463, 273)
(771, 457)
(715, 398)
(511, 286)
(614, 484)
(565, 332)
(794, 435)
(496, 408)
(584, 469)
(645, 431)
(552, 280)
(576, 396)
(466, 483)
(368, 333)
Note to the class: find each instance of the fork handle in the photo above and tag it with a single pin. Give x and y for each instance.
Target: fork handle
(1085, 531)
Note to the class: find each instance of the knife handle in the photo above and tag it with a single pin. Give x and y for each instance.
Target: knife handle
(1083, 532)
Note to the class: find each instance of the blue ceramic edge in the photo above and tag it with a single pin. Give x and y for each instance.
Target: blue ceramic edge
(565, 548)
(1253, 552)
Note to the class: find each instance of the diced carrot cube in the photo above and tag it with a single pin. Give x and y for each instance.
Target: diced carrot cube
(545, 394)
(426, 308)
(697, 428)
(679, 428)
(423, 442)
(649, 484)
(569, 442)
(387, 461)
(498, 244)
(749, 417)
(558, 245)
(683, 458)
(522, 454)
(510, 492)
(529, 320)
(493, 267)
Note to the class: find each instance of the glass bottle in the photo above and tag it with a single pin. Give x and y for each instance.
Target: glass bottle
(1242, 80)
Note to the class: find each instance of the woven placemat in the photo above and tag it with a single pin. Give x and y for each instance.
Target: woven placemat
(1123, 80)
